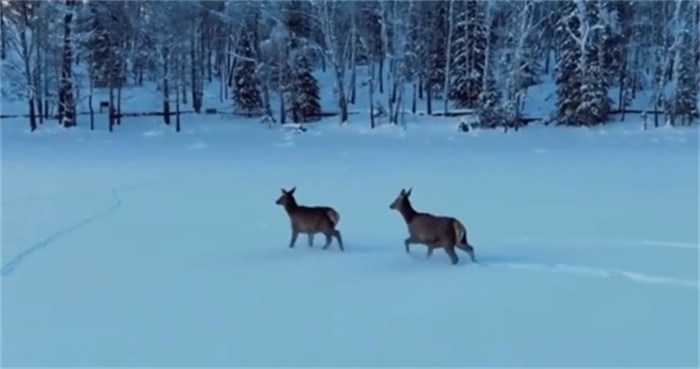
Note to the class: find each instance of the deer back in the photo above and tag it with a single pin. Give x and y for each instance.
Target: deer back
(430, 228)
(314, 219)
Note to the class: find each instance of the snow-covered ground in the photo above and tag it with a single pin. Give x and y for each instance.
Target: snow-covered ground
(147, 247)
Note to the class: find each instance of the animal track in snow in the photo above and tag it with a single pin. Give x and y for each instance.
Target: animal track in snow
(595, 273)
(607, 242)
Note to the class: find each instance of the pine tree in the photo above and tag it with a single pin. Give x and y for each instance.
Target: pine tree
(684, 102)
(66, 97)
(306, 102)
(489, 108)
(296, 14)
(595, 106)
(582, 83)
(616, 35)
(595, 103)
(567, 80)
(469, 55)
(246, 94)
(101, 46)
(436, 40)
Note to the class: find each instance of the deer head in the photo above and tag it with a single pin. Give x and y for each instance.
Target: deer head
(401, 199)
(287, 197)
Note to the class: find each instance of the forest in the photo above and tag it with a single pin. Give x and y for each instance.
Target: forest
(481, 56)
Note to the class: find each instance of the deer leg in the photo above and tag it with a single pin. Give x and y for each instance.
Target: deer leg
(430, 252)
(295, 234)
(450, 250)
(409, 241)
(336, 234)
(311, 240)
(329, 238)
(468, 249)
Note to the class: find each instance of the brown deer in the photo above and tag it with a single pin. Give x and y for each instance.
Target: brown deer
(431, 230)
(310, 220)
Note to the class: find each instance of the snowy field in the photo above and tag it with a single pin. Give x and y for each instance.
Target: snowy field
(149, 248)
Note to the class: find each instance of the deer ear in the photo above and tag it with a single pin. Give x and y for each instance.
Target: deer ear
(409, 192)
(291, 192)
(283, 191)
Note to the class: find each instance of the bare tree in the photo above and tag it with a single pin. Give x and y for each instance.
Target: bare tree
(66, 95)
(448, 57)
(20, 68)
(328, 13)
(3, 43)
(522, 55)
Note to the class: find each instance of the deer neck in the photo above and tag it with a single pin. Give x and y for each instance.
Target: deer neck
(408, 212)
(291, 206)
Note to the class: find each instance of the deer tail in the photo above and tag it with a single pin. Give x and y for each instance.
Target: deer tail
(333, 216)
(461, 237)
(460, 232)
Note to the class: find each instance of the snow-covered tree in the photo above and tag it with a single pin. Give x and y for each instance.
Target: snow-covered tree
(568, 81)
(489, 109)
(683, 103)
(523, 51)
(596, 105)
(469, 54)
(246, 92)
(582, 84)
(66, 94)
(306, 102)
(329, 13)
(435, 48)
(103, 44)
(434, 41)
(20, 71)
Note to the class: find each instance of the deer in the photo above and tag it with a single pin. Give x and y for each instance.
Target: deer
(310, 220)
(432, 230)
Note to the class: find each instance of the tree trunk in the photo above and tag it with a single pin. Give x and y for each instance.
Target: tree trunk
(166, 87)
(3, 42)
(342, 100)
(448, 60)
(66, 96)
(118, 119)
(92, 110)
(111, 103)
(177, 105)
(197, 104)
(40, 92)
(183, 90)
(381, 74)
(32, 115)
(429, 100)
(622, 93)
(353, 76)
(283, 113)
(195, 67)
(26, 58)
(415, 102)
(371, 99)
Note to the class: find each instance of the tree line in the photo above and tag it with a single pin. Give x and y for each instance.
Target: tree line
(450, 54)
